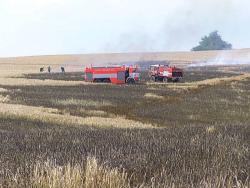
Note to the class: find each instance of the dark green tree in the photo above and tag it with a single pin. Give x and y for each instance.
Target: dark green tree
(212, 42)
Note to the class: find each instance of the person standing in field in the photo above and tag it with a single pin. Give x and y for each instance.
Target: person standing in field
(41, 69)
(63, 69)
(49, 69)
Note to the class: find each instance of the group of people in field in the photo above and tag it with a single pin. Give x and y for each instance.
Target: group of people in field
(49, 69)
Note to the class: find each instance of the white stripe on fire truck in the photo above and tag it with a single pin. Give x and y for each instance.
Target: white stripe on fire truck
(104, 75)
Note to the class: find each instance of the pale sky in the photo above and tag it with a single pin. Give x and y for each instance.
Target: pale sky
(41, 27)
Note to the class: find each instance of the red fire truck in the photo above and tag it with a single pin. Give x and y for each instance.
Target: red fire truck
(113, 74)
(165, 73)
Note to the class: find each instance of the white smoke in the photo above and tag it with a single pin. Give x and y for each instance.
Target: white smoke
(219, 63)
(224, 59)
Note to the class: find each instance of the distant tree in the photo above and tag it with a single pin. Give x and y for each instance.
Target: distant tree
(212, 42)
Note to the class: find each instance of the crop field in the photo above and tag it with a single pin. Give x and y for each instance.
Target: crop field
(148, 135)
(58, 131)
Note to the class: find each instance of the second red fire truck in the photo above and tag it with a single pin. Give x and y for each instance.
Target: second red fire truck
(165, 73)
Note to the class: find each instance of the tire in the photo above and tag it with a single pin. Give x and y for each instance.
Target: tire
(176, 80)
(130, 81)
(153, 79)
(157, 79)
(169, 80)
(106, 80)
(161, 79)
(165, 79)
(97, 80)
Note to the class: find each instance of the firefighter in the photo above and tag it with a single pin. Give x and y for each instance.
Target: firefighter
(41, 69)
(126, 73)
(49, 69)
(63, 69)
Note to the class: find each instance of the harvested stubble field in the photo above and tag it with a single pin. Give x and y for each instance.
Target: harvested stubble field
(57, 131)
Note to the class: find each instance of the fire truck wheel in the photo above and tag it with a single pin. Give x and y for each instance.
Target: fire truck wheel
(176, 80)
(97, 80)
(153, 79)
(106, 80)
(165, 80)
(130, 81)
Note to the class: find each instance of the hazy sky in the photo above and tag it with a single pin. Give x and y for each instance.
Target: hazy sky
(37, 27)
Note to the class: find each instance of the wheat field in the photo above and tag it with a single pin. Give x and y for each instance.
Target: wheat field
(58, 131)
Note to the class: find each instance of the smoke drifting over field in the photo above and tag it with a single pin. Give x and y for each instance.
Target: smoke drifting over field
(219, 62)
(224, 59)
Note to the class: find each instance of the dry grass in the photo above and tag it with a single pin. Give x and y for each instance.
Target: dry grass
(82, 103)
(94, 175)
(206, 146)
(195, 155)
(4, 99)
(49, 174)
(203, 83)
(2, 90)
(99, 113)
(188, 168)
(153, 96)
(50, 115)
(36, 82)
(100, 176)
(210, 129)
(217, 81)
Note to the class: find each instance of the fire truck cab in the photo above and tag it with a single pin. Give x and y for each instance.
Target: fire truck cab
(113, 74)
(165, 73)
